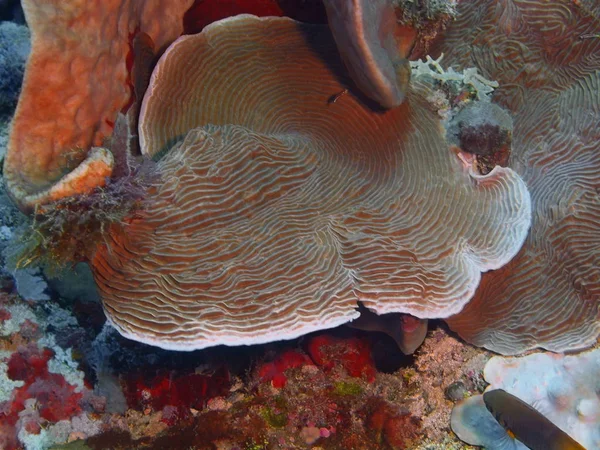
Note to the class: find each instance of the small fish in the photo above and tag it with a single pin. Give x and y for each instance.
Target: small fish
(526, 424)
(335, 97)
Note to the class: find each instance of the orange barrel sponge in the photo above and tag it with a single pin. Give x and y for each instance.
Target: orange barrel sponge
(75, 84)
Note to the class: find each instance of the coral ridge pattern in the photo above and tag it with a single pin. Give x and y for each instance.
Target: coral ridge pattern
(279, 211)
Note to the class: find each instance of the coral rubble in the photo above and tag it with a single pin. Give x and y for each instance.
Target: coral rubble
(562, 387)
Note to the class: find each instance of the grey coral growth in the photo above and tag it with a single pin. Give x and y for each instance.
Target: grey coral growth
(14, 49)
(31, 284)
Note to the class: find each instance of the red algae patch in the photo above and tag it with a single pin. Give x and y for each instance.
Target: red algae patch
(296, 396)
(174, 394)
(4, 314)
(275, 371)
(285, 402)
(52, 397)
(393, 426)
(44, 397)
(353, 355)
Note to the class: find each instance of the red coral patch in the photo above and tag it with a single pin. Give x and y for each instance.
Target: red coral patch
(29, 363)
(55, 398)
(4, 315)
(353, 354)
(181, 392)
(274, 371)
(398, 429)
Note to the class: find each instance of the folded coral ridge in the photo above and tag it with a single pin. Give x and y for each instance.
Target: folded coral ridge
(545, 58)
(278, 211)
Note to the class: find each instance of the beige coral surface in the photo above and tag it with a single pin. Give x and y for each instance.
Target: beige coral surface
(546, 58)
(279, 224)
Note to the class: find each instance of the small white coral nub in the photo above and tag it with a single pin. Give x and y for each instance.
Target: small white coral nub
(432, 67)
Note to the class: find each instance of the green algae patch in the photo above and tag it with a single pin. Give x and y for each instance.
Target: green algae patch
(347, 389)
(252, 445)
(75, 445)
(274, 419)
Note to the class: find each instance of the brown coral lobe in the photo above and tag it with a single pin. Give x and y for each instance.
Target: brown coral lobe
(549, 295)
(277, 212)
